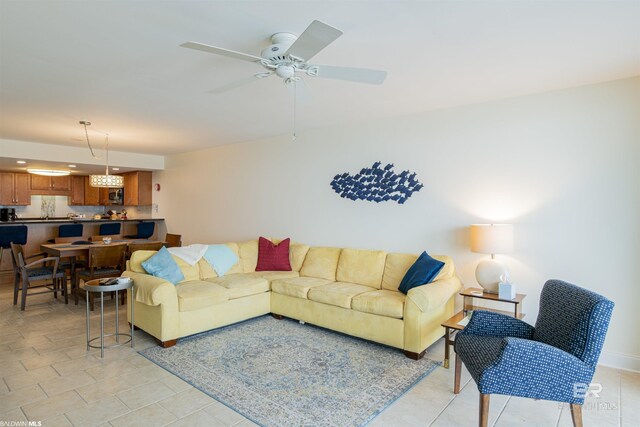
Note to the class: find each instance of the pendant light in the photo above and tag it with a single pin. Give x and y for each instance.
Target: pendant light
(106, 180)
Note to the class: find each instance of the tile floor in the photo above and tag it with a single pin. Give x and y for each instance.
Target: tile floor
(48, 376)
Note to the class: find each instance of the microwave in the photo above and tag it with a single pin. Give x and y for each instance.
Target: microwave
(116, 196)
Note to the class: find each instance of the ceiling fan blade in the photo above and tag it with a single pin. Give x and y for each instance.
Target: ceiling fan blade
(316, 37)
(238, 83)
(300, 89)
(360, 75)
(221, 51)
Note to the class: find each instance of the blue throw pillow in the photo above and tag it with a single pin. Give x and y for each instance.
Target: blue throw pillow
(162, 265)
(423, 271)
(221, 258)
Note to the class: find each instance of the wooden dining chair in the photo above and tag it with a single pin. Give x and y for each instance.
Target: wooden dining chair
(32, 274)
(65, 263)
(173, 240)
(103, 261)
(146, 246)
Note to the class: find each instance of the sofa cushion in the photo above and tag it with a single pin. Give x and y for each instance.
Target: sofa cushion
(162, 265)
(190, 272)
(137, 258)
(272, 256)
(241, 285)
(197, 294)
(248, 252)
(206, 270)
(297, 286)
(238, 267)
(275, 275)
(396, 267)
(337, 293)
(297, 253)
(361, 266)
(221, 258)
(321, 263)
(422, 272)
(382, 302)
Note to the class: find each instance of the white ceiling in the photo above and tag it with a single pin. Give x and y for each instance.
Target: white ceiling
(119, 64)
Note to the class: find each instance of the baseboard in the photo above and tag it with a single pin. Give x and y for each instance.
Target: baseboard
(614, 359)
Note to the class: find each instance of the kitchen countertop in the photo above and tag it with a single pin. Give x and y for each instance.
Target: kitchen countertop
(72, 220)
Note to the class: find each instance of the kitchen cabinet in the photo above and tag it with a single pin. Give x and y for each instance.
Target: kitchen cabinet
(14, 189)
(91, 194)
(76, 196)
(137, 188)
(50, 185)
(104, 196)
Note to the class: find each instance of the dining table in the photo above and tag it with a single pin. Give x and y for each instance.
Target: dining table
(74, 250)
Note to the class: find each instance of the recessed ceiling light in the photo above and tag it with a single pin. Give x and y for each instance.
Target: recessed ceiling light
(72, 166)
(115, 169)
(48, 172)
(20, 162)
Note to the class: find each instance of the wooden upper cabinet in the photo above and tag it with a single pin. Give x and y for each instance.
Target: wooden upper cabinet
(104, 196)
(21, 189)
(50, 185)
(61, 183)
(91, 194)
(137, 188)
(14, 189)
(6, 189)
(76, 196)
(40, 182)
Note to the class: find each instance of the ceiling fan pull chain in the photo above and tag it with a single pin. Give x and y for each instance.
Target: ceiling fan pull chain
(295, 106)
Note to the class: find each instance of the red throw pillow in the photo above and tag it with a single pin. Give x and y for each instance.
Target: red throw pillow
(272, 257)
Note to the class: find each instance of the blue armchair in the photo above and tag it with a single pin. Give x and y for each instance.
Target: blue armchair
(553, 361)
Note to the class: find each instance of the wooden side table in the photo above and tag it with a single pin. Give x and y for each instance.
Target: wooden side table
(452, 325)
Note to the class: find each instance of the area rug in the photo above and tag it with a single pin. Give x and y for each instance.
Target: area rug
(282, 373)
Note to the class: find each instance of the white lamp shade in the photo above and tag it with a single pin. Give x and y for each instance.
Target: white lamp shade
(492, 238)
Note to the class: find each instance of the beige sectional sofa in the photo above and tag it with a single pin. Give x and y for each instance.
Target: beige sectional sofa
(347, 290)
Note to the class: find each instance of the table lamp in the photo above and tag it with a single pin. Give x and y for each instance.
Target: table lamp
(491, 239)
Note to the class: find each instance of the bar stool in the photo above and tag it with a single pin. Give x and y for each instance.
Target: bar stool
(100, 286)
(145, 230)
(69, 230)
(109, 229)
(12, 234)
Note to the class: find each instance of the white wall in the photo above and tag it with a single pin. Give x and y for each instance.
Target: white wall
(562, 166)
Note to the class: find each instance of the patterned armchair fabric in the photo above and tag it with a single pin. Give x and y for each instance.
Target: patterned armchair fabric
(507, 356)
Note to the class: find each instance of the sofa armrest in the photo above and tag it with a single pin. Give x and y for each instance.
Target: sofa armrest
(152, 290)
(434, 294)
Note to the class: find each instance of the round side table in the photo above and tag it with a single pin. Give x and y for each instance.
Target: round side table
(96, 286)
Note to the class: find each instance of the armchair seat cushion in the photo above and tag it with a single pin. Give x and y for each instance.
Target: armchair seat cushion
(338, 293)
(297, 286)
(241, 285)
(43, 273)
(197, 294)
(381, 302)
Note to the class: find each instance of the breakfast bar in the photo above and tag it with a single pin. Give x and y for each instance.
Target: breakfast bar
(40, 231)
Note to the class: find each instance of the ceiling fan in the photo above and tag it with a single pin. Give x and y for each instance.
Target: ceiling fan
(288, 55)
